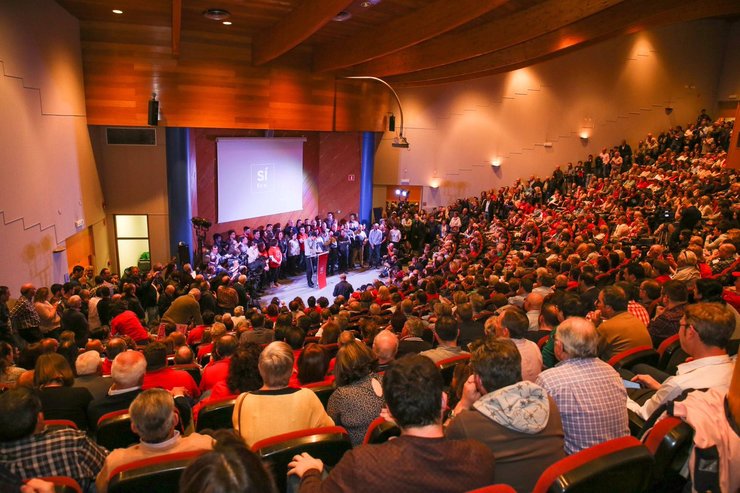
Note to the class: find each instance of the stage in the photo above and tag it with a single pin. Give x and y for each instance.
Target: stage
(298, 286)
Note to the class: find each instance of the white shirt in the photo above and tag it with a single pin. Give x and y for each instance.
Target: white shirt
(713, 372)
(531, 359)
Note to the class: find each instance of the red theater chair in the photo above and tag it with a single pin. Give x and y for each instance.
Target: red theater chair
(159, 474)
(60, 423)
(380, 431)
(63, 484)
(666, 350)
(216, 415)
(631, 357)
(114, 430)
(447, 366)
(622, 465)
(323, 392)
(328, 444)
(494, 488)
(670, 443)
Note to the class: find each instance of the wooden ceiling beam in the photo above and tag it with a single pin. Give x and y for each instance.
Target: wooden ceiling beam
(498, 34)
(438, 17)
(629, 17)
(296, 27)
(176, 26)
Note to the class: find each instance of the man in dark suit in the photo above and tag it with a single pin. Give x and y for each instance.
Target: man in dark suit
(343, 287)
(587, 288)
(470, 330)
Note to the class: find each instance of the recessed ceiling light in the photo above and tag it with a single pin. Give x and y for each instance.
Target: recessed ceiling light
(369, 3)
(227, 23)
(341, 16)
(117, 11)
(216, 14)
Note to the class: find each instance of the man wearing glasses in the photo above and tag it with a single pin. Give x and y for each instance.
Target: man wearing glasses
(704, 332)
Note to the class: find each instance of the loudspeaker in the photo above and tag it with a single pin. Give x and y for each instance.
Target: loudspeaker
(153, 112)
(183, 253)
(392, 123)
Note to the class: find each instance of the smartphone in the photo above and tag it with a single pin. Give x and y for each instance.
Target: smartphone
(631, 385)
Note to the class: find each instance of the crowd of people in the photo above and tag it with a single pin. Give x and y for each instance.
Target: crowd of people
(538, 285)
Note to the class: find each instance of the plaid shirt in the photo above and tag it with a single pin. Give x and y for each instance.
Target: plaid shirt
(666, 324)
(592, 401)
(638, 311)
(62, 452)
(24, 315)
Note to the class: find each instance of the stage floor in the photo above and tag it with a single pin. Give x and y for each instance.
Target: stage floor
(298, 286)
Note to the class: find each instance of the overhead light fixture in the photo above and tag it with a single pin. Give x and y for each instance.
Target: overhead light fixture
(399, 140)
(226, 23)
(117, 11)
(342, 16)
(216, 14)
(496, 163)
(370, 3)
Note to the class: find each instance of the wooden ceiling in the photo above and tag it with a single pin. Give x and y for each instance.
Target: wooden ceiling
(406, 42)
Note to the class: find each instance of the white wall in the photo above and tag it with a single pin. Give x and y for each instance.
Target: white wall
(729, 83)
(614, 90)
(49, 180)
(134, 181)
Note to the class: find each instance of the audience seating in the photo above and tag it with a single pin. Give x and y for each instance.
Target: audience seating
(216, 415)
(631, 357)
(63, 484)
(380, 431)
(114, 430)
(205, 359)
(622, 465)
(447, 366)
(494, 488)
(159, 474)
(670, 442)
(328, 444)
(323, 392)
(542, 341)
(666, 350)
(60, 423)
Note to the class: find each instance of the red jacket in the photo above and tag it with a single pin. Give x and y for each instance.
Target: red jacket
(168, 379)
(216, 371)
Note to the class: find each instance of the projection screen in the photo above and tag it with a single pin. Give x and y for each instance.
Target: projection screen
(258, 177)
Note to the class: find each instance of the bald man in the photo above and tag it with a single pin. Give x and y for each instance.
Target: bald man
(533, 307)
(385, 347)
(74, 320)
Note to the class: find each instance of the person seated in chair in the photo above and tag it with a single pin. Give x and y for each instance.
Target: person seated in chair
(421, 459)
(154, 419)
(275, 408)
(704, 332)
(30, 450)
(527, 437)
